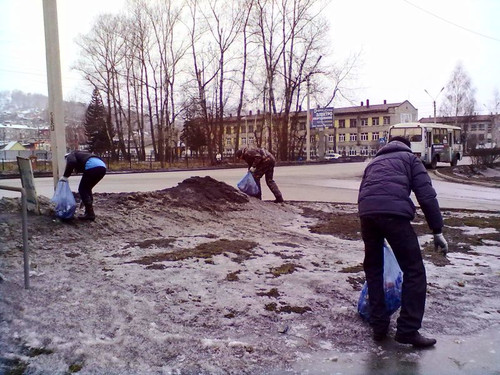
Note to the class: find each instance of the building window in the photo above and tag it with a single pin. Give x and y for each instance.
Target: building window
(229, 130)
(331, 138)
(243, 140)
(352, 151)
(364, 122)
(364, 151)
(387, 120)
(473, 127)
(250, 128)
(373, 151)
(490, 127)
(375, 121)
(481, 127)
(341, 123)
(375, 136)
(353, 137)
(228, 141)
(352, 123)
(341, 137)
(251, 140)
(364, 136)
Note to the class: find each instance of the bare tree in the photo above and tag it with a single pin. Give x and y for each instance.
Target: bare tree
(101, 55)
(247, 7)
(459, 94)
(291, 34)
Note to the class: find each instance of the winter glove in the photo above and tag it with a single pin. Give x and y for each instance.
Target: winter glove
(63, 179)
(439, 241)
(252, 170)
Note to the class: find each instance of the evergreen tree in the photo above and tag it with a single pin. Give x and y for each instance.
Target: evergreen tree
(98, 139)
(193, 135)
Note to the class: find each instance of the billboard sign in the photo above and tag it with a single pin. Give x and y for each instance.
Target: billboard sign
(322, 118)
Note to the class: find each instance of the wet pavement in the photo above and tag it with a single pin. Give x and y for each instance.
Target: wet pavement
(452, 355)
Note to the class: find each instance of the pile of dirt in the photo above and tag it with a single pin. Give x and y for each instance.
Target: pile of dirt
(197, 193)
(474, 173)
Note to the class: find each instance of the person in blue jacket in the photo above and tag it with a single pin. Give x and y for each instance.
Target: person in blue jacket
(386, 211)
(93, 170)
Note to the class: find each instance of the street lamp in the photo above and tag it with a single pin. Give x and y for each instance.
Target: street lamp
(434, 101)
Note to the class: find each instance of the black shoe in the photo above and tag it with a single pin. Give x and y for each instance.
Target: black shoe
(279, 200)
(379, 336)
(416, 339)
(87, 216)
(89, 213)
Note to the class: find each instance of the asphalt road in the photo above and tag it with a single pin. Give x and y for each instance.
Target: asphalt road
(335, 182)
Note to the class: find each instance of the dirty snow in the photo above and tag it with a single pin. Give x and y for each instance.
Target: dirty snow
(201, 279)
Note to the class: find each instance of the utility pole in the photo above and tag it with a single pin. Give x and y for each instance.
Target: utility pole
(434, 101)
(308, 124)
(56, 112)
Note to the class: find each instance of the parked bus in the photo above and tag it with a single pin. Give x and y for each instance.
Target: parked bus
(432, 143)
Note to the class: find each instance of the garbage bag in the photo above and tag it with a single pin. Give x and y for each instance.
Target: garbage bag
(64, 200)
(393, 282)
(248, 185)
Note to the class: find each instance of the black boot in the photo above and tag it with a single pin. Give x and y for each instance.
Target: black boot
(89, 213)
(415, 339)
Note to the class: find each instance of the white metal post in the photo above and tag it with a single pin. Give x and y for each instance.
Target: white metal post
(56, 111)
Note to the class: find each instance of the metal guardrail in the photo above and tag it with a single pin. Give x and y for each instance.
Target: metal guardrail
(25, 232)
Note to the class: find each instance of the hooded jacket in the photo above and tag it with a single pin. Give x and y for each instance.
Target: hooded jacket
(76, 160)
(388, 181)
(257, 157)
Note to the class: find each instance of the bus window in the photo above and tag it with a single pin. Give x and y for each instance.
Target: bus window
(457, 136)
(414, 134)
(438, 136)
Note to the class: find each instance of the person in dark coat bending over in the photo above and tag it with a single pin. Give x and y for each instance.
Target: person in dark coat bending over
(261, 162)
(93, 170)
(386, 211)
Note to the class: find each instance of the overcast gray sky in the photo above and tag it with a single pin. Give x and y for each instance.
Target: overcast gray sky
(407, 46)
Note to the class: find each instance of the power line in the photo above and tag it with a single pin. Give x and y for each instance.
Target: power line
(452, 23)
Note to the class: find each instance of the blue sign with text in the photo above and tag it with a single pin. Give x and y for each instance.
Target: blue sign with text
(322, 118)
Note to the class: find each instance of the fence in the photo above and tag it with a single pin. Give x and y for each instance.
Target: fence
(11, 155)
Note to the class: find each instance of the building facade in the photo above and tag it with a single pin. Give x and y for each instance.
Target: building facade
(356, 131)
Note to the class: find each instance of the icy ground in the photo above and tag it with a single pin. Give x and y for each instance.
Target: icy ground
(200, 279)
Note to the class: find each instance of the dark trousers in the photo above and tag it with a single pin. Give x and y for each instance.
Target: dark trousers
(90, 178)
(266, 169)
(404, 243)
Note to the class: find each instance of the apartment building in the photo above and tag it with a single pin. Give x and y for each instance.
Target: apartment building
(356, 131)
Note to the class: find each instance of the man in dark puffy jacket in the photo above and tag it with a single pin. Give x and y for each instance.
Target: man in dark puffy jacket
(93, 170)
(386, 211)
(261, 162)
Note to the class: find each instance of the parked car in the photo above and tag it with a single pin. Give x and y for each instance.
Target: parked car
(332, 156)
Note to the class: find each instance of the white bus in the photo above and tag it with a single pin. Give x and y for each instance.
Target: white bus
(432, 143)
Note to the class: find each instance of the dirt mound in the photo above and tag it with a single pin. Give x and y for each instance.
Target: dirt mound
(205, 193)
(197, 193)
(474, 173)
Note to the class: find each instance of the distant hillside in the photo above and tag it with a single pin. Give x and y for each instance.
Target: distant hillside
(17, 107)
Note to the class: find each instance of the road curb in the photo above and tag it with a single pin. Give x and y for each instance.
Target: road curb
(465, 181)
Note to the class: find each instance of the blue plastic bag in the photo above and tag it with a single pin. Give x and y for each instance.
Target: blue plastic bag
(248, 185)
(64, 200)
(393, 282)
